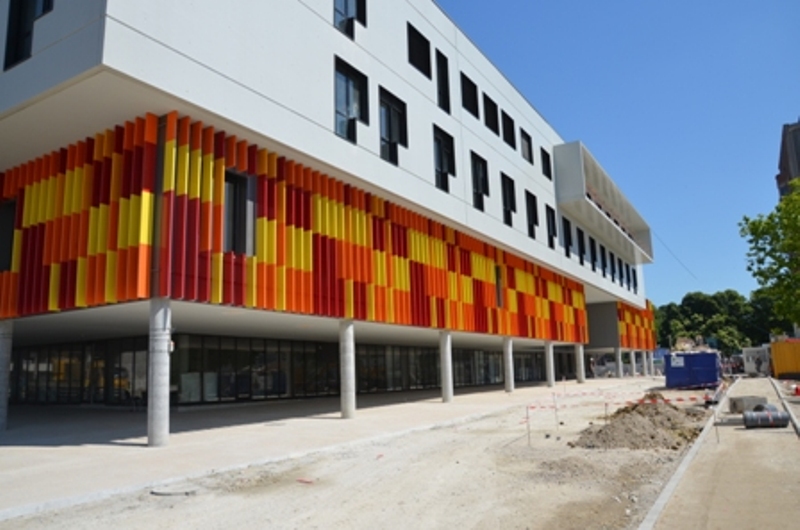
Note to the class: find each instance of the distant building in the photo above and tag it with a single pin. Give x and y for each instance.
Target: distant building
(789, 161)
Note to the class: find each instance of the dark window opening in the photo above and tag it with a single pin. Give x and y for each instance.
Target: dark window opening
(347, 12)
(490, 114)
(619, 268)
(393, 125)
(603, 262)
(581, 245)
(527, 145)
(8, 213)
(235, 236)
(419, 51)
(442, 82)
(498, 283)
(628, 276)
(469, 96)
(547, 171)
(352, 103)
(552, 232)
(634, 281)
(593, 253)
(509, 199)
(19, 35)
(613, 263)
(567, 229)
(532, 210)
(444, 158)
(480, 181)
(509, 131)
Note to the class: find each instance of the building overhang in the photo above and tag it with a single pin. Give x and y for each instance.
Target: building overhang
(587, 195)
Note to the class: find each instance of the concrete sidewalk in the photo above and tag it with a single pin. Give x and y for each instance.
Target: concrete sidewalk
(740, 478)
(55, 457)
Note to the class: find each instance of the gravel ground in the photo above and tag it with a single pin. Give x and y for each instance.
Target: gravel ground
(517, 469)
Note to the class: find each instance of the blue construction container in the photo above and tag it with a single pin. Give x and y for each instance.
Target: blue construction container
(692, 369)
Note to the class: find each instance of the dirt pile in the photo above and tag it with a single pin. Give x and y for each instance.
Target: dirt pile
(645, 425)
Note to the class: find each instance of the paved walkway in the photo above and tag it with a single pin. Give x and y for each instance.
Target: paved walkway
(60, 456)
(742, 478)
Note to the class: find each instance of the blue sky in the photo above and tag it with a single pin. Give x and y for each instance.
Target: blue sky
(681, 101)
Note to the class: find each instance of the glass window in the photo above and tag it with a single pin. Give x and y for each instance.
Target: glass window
(258, 383)
(442, 82)
(527, 145)
(593, 253)
(581, 245)
(603, 262)
(509, 130)
(509, 199)
(567, 233)
(444, 158)
(211, 365)
(490, 114)
(8, 210)
(547, 171)
(480, 181)
(552, 232)
(532, 210)
(346, 13)
(19, 34)
(419, 51)
(469, 96)
(235, 235)
(393, 125)
(351, 100)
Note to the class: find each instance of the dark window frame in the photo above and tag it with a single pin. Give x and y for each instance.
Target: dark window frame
(532, 210)
(603, 260)
(491, 114)
(552, 229)
(419, 50)
(393, 126)
(509, 196)
(8, 219)
(581, 244)
(22, 16)
(235, 233)
(619, 269)
(442, 82)
(612, 266)
(593, 253)
(566, 227)
(444, 158)
(526, 145)
(346, 13)
(469, 96)
(509, 129)
(547, 168)
(480, 180)
(349, 78)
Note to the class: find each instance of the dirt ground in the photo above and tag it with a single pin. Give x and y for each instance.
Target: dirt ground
(520, 469)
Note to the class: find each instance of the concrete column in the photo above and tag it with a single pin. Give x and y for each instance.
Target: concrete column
(446, 365)
(347, 368)
(6, 332)
(549, 364)
(158, 372)
(508, 363)
(651, 358)
(633, 363)
(618, 355)
(645, 364)
(580, 365)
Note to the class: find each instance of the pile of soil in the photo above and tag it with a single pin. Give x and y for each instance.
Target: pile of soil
(645, 426)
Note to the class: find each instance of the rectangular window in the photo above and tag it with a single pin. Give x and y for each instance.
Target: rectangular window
(419, 51)
(393, 125)
(634, 280)
(444, 158)
(628, 276)
(619, 268)
(527, 145)
(8, 213)
(509, 131)
(532, 210)
(19, 35)
(480, 181)
(509, 199)
(567, 232)
(581, 245)
(442, 82)
(547, 171)
(603, 262)
(613, 265)
(469, 96)
(346, 13)
(552, 233)
(593, 253)
(352, 103)
(235, 236)
(490, 114)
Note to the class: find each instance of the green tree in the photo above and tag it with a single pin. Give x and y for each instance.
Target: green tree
(774, 254)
